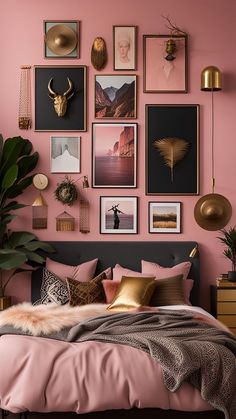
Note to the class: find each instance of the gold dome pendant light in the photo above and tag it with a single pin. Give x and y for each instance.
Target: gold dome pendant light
(213, 211)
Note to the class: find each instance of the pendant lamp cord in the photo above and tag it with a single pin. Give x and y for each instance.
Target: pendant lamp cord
(212, 143)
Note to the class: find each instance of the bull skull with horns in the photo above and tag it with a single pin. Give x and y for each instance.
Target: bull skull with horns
(60, 101)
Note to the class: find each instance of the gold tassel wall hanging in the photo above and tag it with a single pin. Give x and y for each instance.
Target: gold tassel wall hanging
(172, 150)
(39, 213)
(25, 117)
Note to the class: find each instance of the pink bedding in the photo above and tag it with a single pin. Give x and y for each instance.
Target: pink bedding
(40, 374)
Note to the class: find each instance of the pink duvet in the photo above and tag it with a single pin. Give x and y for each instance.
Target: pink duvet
(39, 374)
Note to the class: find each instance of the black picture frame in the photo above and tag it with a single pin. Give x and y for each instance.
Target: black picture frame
(110, 170)
(46, 118)
(179, 122)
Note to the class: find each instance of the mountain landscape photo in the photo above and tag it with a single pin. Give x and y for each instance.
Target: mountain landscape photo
(116, 100)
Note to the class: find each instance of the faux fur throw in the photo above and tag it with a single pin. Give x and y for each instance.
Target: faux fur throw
(46, 319)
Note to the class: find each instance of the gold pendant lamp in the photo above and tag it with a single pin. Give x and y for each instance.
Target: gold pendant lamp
(213, 211)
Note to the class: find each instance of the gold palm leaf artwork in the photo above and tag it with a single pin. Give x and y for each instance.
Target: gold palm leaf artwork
(172, 150)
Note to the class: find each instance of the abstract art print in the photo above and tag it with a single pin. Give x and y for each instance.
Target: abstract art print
(65, 154)
(118, 214)
(164, 217)
(124, 47)
(172, 149)
(115, 96)
(165, 63)
(114, 153)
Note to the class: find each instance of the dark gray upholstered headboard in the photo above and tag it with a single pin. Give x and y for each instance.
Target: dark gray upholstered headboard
(127, 254)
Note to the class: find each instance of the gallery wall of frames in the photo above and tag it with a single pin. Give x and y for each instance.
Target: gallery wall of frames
(113, 98)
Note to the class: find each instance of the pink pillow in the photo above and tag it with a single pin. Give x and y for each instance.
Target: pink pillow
(119, 271)
(187, 288)
(110, 288)
(83, 272)
(161, 272)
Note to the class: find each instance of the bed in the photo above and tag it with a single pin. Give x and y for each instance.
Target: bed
(128, 254)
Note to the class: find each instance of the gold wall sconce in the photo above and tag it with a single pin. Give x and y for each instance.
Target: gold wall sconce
(212, 211)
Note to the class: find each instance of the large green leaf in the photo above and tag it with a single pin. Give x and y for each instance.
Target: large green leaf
(38, 245)
(32, 256)
(10, 176)
(26, 150)
(20, 238)
(1, 147)
(26, 164)
(11, 152)
(17, 189)
(11, 206)
(11, 259)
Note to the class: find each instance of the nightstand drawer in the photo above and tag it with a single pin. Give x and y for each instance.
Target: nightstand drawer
(229, 320)
(226, 295)
(226, 308)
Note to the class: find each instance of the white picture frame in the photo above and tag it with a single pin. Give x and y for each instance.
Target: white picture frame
(65, 154)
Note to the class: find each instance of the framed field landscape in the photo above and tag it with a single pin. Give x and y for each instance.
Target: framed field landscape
(118, 214)
(164, 217)
(115, 96)
(114, 154)
(60, 98)
(172, 149)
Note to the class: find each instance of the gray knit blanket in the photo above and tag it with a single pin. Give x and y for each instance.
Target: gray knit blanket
(187, 349)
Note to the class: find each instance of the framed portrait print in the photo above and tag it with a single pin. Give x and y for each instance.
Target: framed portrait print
(124, 47)
(60, 98)
(61, 39)
(114, 155)
(172, 149)
(115, 96)
(164, 217)
(118, 214)
(165, 63)
(65, 154)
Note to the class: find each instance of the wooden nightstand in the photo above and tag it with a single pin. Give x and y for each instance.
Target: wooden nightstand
(223, 304)
(5, 302)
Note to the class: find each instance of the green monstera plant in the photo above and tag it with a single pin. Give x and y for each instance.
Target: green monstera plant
(21, 247)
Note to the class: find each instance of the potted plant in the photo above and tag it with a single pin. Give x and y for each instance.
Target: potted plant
(229, 240)
(16, 248)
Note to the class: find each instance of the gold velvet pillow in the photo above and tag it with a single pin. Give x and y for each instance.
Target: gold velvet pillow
(81, 293)
(133, 292)
(168, 291)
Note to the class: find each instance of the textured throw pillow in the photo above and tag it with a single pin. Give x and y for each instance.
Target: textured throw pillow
(83, 272)
(168, 291)
(161, 272)
(133, 292)
(119, 271)
(81, 293)
(53, 289)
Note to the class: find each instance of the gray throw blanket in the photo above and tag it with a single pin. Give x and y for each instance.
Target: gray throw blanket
(187, 349)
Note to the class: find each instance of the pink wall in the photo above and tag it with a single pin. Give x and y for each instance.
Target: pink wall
(211, 28)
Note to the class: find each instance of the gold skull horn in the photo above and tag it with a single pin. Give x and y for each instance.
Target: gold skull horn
(60, 101)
